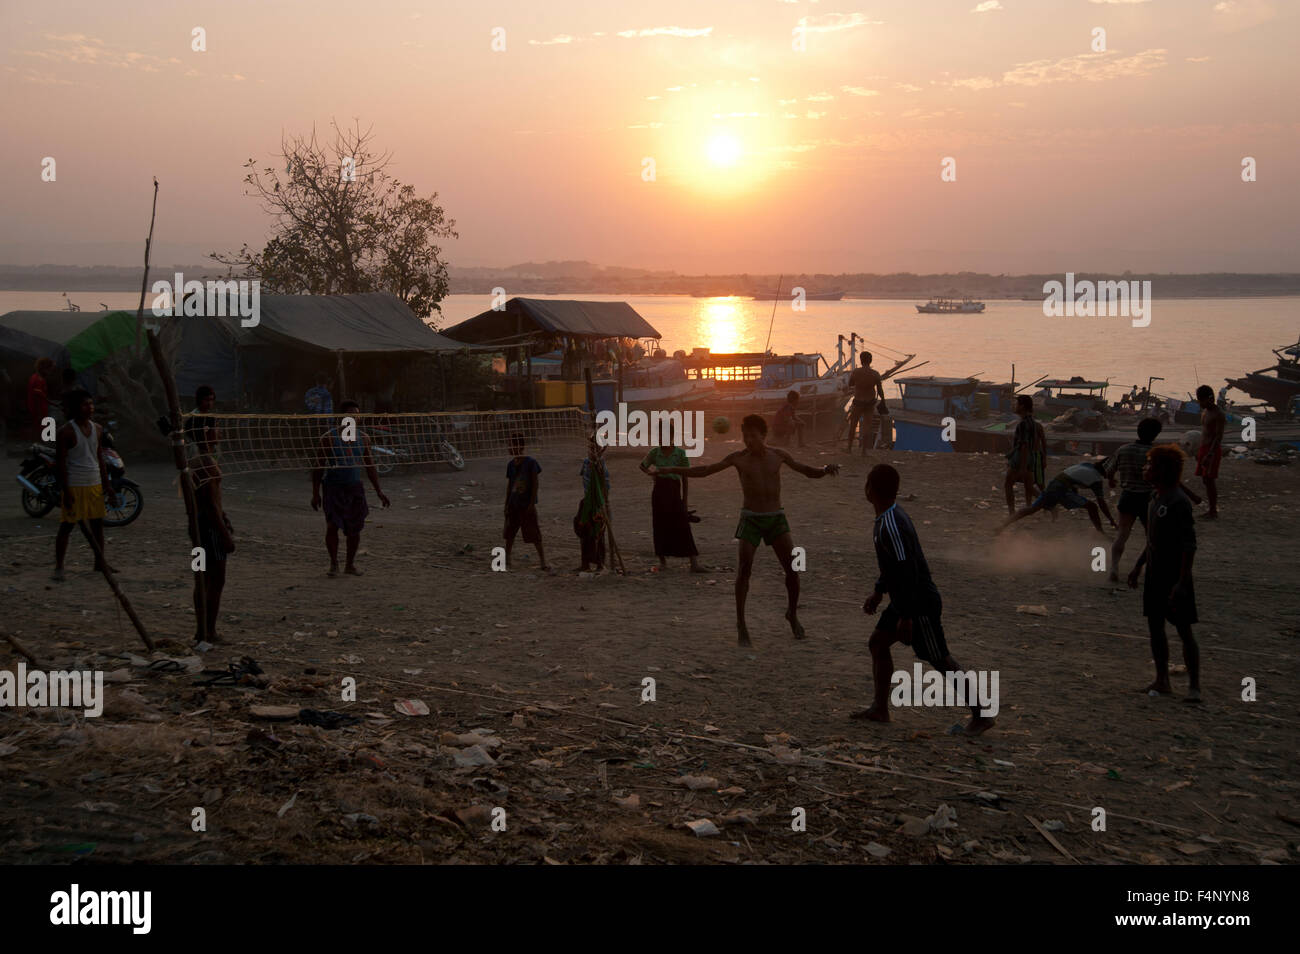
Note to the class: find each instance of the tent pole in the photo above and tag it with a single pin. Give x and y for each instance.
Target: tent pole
(343, 378)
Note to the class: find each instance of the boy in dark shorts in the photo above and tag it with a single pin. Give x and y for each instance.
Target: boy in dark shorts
(762, 518)
(522, 479)
(1167, 592)
(1129, 464)
(915, 607)
(338, 472)
(867, 384)
(1063, 490)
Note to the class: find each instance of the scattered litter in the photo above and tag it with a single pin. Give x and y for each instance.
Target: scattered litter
(411, 707)
(702, 827)
(286, 806)
(697, 783)
(876, 850)
(472, 756)
(631, 803)
(1032, 610)
(1054, 824)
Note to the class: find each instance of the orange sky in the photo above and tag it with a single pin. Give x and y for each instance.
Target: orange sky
(1067, 159)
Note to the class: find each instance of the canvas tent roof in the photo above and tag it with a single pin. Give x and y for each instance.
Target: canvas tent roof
(87, 337)
(525, 317)
(370, 322)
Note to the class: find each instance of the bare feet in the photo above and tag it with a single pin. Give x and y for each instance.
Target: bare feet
(58, 575)
(795, 626)
(742, 634)
(696, 568)
(1114, 576)
(1159, 688)
(872, 713)
(351, 570)
(979, 725)
(333, 570)
(1193, 696)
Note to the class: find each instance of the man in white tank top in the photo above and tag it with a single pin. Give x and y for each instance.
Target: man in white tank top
(81, 475)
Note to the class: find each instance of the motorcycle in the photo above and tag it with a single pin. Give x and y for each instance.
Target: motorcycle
(386, 457)
(41, 493)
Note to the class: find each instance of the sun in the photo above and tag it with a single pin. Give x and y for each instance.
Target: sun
(723, 149)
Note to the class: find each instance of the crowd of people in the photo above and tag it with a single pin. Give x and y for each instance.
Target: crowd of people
(1149, 477)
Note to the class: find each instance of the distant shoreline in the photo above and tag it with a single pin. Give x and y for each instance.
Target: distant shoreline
(582, 278)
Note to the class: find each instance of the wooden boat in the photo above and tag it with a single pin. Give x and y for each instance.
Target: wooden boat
(1277, 386)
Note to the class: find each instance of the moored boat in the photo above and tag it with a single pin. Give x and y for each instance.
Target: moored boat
(951, 306)
(1277, 386)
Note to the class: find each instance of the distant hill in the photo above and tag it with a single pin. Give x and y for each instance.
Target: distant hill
(587, 278)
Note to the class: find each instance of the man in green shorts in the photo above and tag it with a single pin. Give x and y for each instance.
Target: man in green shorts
(762, 519)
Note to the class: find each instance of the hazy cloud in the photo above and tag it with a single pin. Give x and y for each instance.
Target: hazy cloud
(831, 22)
(986, 6)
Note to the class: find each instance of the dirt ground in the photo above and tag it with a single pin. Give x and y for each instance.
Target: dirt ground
(548, 670)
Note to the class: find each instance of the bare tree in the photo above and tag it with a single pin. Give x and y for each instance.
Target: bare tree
(342, 225)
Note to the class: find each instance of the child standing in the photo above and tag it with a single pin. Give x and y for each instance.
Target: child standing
(522, 479)
(1167, 592)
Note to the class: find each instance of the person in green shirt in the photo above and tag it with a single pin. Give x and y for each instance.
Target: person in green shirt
(669, 517)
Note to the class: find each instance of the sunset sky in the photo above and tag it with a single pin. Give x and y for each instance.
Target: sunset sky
(766, 157)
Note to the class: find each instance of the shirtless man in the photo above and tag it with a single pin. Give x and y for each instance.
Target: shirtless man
(762, 519)
(867, 384)
(1210, 452)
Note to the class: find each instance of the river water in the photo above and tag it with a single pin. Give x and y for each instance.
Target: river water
(1189, 341)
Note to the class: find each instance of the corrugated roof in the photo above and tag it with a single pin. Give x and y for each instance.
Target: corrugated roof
(522, 317)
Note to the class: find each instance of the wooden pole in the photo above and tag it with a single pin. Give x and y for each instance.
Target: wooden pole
(24, 652)
(112, 583)
(343, 379)
(614, 553)
(177, 442)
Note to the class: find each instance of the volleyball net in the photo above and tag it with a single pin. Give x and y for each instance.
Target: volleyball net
(254, 443)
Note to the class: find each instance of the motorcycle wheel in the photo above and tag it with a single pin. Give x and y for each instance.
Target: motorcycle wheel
(129, 504)
(453, 456)
(39, 506)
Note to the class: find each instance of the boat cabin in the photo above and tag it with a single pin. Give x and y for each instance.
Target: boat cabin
(750, 370)
(1060, 394)
(941, 396)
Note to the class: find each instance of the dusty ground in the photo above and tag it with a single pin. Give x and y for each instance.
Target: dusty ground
(553, 666)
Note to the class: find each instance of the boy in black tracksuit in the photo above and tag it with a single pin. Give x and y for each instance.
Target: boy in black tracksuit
(915, 607)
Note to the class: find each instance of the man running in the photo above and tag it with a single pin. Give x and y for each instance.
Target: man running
(1210, 452)
(1063, 490)
(913, 615)
(867, 384)
(79, 464)
(338, 471)
(762, 518)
